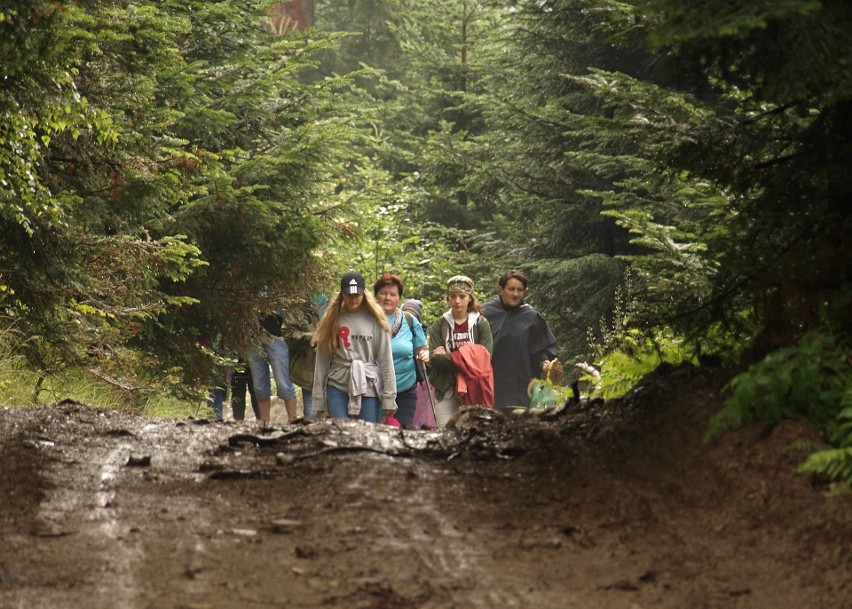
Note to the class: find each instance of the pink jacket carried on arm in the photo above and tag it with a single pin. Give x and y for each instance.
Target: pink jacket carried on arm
(474, 375)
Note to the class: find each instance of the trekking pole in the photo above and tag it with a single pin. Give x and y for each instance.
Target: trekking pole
(429, 390)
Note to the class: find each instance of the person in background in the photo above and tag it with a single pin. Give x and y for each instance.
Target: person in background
(272, 352)
(216, 401)
(424, 417)
(523, 342)
(235, 379)
(320, 304)
(414, 307)
(408, 343)
(240, 381)
(354, 375)
(461, 326)
(300, 325)
(215, 392)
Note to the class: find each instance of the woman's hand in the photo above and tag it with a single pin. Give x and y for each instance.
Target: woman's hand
(423, 356)
(439, 351)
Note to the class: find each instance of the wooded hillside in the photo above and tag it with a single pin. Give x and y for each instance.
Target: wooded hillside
(673, 176)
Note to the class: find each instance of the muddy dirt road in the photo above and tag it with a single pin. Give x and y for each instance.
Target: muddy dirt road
(619, 507)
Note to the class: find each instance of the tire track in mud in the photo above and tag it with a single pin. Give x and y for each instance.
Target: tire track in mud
(417, 516)
(92, 516)
(84, 515)
(422, 526)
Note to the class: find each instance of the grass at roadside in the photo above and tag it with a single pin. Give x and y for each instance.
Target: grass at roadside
(21, 386)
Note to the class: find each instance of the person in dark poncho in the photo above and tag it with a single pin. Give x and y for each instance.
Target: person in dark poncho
(523, 342)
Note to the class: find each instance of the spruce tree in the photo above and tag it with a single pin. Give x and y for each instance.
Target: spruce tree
(173, 181)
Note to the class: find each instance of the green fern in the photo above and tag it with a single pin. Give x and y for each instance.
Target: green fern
(639, 355)
(810, 381)
(836, 463)
(806, 446)
(626, 354)
(807, 381)
(621, 371)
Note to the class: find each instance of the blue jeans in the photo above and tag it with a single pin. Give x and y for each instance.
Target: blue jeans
(276, 354)
(308, 399)
(215, 400)
(338, 406)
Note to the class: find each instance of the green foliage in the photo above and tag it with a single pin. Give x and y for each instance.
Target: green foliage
(75, 278)
(835, 463)
(624, 354)
(835, 460)
(423, 253)
(572, 294)
(805, 381)
(17, 380)
(549, 150)
(259, 154)
(21, 385)
(638, 354)
(159, 162)
(714, 154)
(415, 217)
(775, 80)
(30, 116)
(811, 380)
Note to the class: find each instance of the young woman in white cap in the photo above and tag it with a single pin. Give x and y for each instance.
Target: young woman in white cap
(462, 325)
(354, 375)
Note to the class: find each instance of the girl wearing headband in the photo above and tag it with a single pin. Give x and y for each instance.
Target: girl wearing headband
(461, 325)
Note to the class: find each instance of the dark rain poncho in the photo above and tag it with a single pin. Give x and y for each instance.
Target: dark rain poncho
(522, 340)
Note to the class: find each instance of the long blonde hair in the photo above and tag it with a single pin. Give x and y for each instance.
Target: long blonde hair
(326, 334)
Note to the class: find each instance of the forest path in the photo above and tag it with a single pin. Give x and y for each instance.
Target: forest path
(621, 507)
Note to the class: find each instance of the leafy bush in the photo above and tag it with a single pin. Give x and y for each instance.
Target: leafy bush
(835, 462)
(639, 354)
(806, 381)
(22, 385)
(625, 355)
(811, 381)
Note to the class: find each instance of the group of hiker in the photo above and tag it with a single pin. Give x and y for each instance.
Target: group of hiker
(368, 355)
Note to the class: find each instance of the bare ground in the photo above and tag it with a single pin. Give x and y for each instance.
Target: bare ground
(621, 506)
